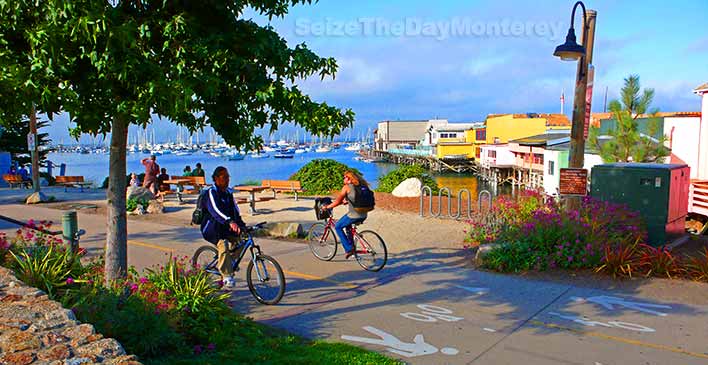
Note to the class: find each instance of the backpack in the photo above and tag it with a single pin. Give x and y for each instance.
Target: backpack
(364, 200)
(200, 213)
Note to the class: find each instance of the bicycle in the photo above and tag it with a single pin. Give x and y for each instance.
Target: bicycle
(369, 246)
(206, 258)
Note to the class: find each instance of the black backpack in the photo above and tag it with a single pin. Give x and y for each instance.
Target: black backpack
(200, 213)
(364, 200)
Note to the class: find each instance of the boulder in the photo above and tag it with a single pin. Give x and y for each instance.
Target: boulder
(483, 251)
(138, 211)
(139, 192)
(155, 207)
(409, 188)
(285, 229)
(36, 198)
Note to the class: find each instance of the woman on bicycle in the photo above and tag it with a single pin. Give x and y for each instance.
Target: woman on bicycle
(354, 216)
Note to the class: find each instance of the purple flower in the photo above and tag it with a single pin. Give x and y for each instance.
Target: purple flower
(69, 280)
(143, 280)
(197, 349)
(570, 258)
(211, 347)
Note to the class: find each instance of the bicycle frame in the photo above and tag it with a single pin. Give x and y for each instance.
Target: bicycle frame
(331, 222)
(251, 245)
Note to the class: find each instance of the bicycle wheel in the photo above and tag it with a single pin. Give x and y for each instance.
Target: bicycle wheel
(205, 258)
(268, 285)
(371, 253)
(322, 241)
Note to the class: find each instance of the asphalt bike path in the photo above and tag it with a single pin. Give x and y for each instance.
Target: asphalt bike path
(428, 307)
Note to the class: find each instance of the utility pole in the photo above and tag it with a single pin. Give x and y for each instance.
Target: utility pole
(576, 158)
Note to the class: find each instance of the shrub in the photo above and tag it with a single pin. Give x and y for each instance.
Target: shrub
(658, 261)
(5, 247)
(46, 267)
(133, 203)
(620, 260)
(697, 267)
(391, 180)
(511, 257)
(322, 176)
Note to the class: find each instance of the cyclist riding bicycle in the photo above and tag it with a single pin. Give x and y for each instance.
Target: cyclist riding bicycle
(224, 222)
(353, 187)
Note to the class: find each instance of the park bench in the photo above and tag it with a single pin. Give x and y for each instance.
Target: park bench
(284, 186)
(11, 180)
(192, 185)
(73, 182)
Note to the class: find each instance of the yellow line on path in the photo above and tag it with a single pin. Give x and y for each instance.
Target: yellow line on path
(143, 244)
(291, 273)
(314, 277)
(621, 339)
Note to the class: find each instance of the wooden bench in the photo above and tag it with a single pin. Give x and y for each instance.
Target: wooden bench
(284, 186)
(197, 183)
(11, 180)
(73, 182)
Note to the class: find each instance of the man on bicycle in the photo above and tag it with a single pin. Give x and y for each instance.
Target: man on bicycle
(224, 222)
(353, 216)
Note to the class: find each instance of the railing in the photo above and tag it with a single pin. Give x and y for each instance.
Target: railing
(411, 152)
(468, 212)
(698, 198)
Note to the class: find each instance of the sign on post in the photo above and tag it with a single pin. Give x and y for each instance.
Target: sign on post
(573, 181)
(588, 100)
(30, 141)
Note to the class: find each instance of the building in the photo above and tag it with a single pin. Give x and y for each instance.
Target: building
(529, 157)
(403, 133)
(702, 165)
(496, 163)
(556, 157)
(501, 128)
(454, 141)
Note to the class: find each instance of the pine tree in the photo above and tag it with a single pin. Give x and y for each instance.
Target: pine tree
(627, 143)
(13, 139)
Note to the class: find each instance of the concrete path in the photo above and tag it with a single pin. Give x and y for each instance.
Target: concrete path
(428, 307)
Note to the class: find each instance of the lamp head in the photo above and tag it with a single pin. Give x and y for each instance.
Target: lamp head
(570, 50)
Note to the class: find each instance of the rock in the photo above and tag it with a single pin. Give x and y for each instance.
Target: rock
(409, 188)
(20, 341)
(36, 198)
(18, 358)
(285, 229)
(138, 211)
(105, 348)
(155, 207)
(482, 252)
(139, 192)
(56, 352)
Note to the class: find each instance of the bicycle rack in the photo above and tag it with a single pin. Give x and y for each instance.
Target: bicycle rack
(483, 195)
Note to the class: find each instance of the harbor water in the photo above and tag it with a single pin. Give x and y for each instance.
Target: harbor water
(94, 167)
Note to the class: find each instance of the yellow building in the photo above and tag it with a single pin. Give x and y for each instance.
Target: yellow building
(455, 141)
(501, 128)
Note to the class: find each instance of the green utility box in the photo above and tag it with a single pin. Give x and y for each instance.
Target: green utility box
(658, 191)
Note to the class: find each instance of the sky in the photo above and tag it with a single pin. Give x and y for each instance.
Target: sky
(461, 60)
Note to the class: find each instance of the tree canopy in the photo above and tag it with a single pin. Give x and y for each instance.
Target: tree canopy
(112, 63)
(627, 143)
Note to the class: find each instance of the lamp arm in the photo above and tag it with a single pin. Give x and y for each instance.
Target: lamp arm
(585, 19)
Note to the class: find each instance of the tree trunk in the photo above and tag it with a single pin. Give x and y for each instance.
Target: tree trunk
(117, 235)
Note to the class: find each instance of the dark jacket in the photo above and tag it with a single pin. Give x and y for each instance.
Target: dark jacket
(223, 210)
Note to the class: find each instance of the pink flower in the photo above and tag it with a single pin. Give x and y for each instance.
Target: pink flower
(69, 280)
(143, 280)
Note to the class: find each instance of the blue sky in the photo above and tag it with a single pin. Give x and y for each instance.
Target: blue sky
(393, 67)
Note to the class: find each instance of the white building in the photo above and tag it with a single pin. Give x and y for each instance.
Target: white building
(556, 157)
(702, 170)
(401, 133)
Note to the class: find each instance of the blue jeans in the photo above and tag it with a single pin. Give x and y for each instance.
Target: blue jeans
(344, 232)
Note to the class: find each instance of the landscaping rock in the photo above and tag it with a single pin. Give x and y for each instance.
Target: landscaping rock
(139, 192)
(155, 207)
(36, 198)
(482, 252)
(409, 188)
(285, 229)
(138, 211)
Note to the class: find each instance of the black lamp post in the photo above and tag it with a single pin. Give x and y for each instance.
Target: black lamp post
(572, 51)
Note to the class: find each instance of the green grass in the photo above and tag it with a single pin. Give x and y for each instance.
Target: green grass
(266, 345)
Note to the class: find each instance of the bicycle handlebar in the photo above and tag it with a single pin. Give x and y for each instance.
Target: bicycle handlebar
(255, 227)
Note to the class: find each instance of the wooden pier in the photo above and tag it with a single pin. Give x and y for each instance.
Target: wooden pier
(429, 162)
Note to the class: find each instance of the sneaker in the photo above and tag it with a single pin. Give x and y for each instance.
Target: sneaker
(349, 254)
(229, 282)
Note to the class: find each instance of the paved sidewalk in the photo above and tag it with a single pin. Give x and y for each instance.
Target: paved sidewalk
(428, 307)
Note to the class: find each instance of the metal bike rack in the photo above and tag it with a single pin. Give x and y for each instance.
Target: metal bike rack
(460, 195)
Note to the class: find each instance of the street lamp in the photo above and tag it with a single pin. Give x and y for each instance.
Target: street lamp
(571, 51)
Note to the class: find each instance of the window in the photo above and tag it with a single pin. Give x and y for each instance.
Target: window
(551, 167)
(538, 158)
(481, 134)
(492, 154)
(496, 140)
